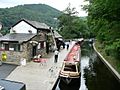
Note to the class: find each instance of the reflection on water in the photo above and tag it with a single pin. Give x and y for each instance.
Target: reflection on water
(98, 77)
(87, 54)
(84, 63)
(94, 74)
(73, 85)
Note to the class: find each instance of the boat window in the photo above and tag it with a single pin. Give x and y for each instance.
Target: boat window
(78, 66)
(70, 68)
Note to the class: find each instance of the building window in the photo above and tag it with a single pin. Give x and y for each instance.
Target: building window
(30, 31)
(6, 46)
(12, 47)
(14, 31)
(39, 45)
(42, 44)
(1, 46)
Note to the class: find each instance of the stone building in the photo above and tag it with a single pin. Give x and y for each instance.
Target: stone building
(26, 40)
(59, 40)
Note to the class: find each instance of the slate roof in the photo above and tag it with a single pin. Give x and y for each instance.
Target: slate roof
(20, 37)
(34, 24)
(38, 24)
(57, 35)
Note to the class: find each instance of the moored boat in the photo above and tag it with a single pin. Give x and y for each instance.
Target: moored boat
(70, 70)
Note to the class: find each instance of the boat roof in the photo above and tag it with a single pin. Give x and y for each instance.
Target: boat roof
(70, 63)
(74, 52)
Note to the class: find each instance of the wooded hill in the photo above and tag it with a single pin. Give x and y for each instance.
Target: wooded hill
(36, 12)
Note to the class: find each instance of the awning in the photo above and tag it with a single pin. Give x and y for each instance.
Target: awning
(33, 42)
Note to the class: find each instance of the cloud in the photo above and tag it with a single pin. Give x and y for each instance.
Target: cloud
(4, 5)
(58, 4)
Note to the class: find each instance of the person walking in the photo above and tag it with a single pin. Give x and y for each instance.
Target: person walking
(67, 46)
(56, 56)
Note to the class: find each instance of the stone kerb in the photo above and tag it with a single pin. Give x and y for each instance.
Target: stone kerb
(115, 73)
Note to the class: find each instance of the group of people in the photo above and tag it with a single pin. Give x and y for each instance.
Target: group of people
(57, 52)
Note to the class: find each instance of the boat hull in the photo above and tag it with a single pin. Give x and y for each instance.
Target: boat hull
(69, 83)
(70, 71)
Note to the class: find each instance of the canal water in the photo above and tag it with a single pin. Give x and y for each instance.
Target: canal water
(94, 74)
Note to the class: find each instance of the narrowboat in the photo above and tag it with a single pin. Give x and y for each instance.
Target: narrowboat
(70, 71)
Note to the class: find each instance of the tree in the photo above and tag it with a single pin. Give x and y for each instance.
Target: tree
(70, 25)
(104, 23)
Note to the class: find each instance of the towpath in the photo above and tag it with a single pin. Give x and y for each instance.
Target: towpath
(37, 76)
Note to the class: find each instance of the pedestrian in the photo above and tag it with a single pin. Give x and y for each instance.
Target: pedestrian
(56, 56)
(63, 45)
(67, 46)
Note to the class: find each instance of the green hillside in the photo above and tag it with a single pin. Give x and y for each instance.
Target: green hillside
(36, 12)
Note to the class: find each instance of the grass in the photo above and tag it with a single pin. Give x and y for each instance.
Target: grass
(114, 62)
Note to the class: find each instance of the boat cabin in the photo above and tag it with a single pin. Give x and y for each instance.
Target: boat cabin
(70, 70)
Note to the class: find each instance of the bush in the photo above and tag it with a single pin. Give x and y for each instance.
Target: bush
(109, 49)
(113, 49)
(116, 45)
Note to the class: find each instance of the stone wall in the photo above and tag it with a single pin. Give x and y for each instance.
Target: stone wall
(15, 57)
(12, 57)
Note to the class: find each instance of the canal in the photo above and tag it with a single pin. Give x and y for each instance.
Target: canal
(94, 74)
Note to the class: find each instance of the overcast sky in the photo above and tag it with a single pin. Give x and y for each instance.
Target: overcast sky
(58, 4)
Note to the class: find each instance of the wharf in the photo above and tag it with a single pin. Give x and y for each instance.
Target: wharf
(37, 76)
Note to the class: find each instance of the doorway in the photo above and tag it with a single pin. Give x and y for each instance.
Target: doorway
(34, 51)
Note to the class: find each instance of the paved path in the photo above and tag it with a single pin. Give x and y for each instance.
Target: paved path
(37, 76)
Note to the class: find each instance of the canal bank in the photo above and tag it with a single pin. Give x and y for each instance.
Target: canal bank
(94, 73)
(115, 73)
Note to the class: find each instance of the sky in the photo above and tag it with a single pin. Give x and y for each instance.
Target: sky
(58, 4)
